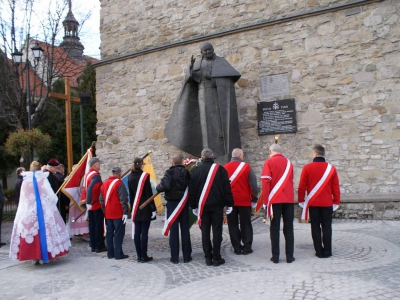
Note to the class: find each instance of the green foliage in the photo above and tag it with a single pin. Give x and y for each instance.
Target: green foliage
(8, 162)
(23, 140)
(9, 194)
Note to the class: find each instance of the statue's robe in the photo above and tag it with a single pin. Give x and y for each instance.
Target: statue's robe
(205, 113)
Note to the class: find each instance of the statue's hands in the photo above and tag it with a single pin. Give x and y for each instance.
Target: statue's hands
(192, 60)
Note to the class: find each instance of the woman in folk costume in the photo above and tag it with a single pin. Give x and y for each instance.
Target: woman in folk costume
(139, 191)
(39, 232)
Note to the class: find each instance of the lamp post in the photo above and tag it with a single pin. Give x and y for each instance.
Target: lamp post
(17, 58)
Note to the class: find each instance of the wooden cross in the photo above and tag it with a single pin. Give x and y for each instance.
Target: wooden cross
(68, 125)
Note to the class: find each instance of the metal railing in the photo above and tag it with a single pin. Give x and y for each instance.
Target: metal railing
(9, 210)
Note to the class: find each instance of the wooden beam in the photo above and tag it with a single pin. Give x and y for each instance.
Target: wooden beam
(68, 123)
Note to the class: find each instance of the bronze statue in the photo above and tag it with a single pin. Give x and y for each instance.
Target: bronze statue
(205, 114)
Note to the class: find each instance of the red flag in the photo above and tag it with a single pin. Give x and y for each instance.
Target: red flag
(72, 185)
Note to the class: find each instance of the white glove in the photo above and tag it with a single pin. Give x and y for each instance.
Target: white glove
(253, 205)
(264, 206)
(228, 210)
(301, 204)
(153, 214)
(196, 212)
(88, 206)
(335, 207)
(124, 218)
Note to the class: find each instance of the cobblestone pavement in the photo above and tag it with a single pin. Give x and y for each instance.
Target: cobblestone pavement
(365, 265)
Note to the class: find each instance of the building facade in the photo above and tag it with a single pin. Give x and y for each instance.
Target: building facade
(340, 59)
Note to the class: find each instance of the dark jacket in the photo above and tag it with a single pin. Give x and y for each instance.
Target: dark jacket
(174, 183)
(17, 188)
(220, 193)
(2, 198)
(145, 213)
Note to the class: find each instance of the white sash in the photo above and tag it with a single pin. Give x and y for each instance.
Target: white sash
(278, 186)
(168, 222)
(237, 171)
(314, 190)
(206, 187)
(109, 191)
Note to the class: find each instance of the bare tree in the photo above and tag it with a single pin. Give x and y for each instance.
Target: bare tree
(16, 33)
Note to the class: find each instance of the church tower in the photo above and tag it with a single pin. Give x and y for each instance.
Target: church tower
(71, 44)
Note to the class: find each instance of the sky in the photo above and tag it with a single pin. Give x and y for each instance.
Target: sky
(89, 33)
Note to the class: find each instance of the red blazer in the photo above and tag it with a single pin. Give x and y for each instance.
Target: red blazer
(92, 193)
(310, 176)
(241, 190)
(113, 209)
(273, 169)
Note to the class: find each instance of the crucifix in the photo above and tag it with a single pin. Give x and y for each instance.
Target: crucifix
(68, 125)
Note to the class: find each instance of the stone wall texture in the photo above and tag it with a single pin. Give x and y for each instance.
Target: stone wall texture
(343, 68)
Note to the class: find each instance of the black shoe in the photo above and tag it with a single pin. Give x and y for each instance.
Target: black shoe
(139, 259)
(237, 252)
(209, 262)
(274, 260)
(123, 257)
(186, 260)
(92, 250)
(2, 244)
(319, 256)
(101, 250)
(146, 259)
(218, 262)
(174, 261)
(110, 257)
(290, 260)
(246, 252)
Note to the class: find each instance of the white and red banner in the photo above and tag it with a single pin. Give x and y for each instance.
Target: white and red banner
(175, 214)
(317, 190)
(72, 185)
(206, 190)
(277, 189)
(135, 206)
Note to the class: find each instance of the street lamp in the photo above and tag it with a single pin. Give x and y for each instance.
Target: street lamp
(17, 58)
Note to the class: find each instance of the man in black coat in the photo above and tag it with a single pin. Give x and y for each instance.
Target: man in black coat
(18, 183)
(210, 192)
(174, 184)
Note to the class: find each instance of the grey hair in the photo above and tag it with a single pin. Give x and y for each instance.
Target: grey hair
(207, 153)
(275, 148)
(236, 152)
(319, 150)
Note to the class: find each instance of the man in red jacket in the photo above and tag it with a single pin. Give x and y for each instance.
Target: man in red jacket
(114, 202)
(321, 182)
(245, 194)
(91, 193)
(278, 200)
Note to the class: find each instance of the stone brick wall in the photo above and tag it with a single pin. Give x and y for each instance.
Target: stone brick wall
(136, 25)
(343, 69)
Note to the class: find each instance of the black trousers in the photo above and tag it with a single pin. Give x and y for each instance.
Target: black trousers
(141, 238)
(240, 231)
(62, 203)
(212, 218)
(183, 222)
(96, 229)
(286, 211)
(321, 218)
(115, 238)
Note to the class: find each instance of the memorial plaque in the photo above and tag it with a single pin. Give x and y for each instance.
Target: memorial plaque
(274, 86)
(276, 117)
